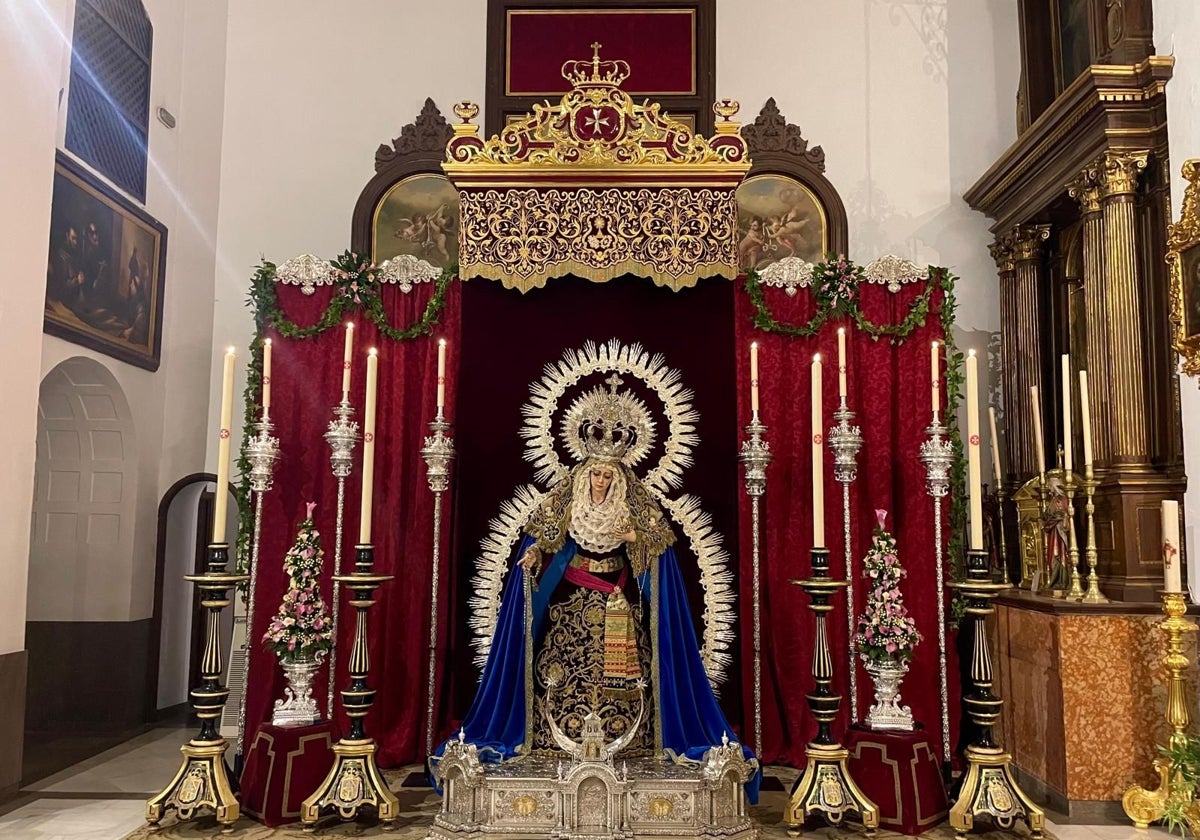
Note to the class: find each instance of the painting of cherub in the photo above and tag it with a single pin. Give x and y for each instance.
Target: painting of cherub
(418, 216)
(778, 217)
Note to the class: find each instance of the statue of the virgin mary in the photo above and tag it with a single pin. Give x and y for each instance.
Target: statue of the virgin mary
(594, 621)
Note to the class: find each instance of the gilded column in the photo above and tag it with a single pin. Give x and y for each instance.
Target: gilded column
(1127, 353)
(1086, 189)
(1028, 270)
(1016, 432)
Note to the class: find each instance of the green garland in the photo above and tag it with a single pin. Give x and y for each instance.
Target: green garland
(357, 287)
(918, 313)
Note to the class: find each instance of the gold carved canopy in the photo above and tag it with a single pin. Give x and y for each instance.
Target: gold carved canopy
(597, 186)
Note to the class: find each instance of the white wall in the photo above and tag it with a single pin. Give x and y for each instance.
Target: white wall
(178, 596)
(30, 46)
(910, 102)
(170, 405)
(310, 93)
(1177, 31)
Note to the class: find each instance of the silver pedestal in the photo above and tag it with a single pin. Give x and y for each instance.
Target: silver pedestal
(545, 797)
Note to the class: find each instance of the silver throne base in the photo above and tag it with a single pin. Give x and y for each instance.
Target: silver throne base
(541, 797)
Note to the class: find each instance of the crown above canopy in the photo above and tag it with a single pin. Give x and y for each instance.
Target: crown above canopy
(598, 186)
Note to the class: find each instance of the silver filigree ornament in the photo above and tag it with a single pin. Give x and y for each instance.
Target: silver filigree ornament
(438, 453)
(789, 274)
(342, 435)
(846, 440)
(755, 456)
(407, 272)
(937, 454)
(893, 272)
(306, 271)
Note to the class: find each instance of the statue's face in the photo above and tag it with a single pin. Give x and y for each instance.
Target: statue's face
(601, 478)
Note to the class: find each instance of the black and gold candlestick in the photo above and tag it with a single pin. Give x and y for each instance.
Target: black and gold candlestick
(355, 780)
(826, 787)
(203, 779)
(988, 786)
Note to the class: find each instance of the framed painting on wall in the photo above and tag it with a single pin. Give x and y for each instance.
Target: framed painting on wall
(779, 217)
(105, 266)
(417, 216)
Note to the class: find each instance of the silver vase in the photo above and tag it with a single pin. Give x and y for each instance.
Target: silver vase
(886, 712)
(299, 709)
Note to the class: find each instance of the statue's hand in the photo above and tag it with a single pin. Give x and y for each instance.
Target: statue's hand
(531, 559)
(629, 536)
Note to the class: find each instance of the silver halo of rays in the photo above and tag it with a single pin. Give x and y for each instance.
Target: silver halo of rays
(705, 542)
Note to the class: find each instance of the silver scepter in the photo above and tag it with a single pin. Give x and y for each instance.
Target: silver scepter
(341, 436)
(438, 452)
(755, 455)
(262, 451)
(937, 454)
(846, 440)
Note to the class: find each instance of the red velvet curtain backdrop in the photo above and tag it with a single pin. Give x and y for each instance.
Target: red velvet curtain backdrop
(889, 390)
(306, 384)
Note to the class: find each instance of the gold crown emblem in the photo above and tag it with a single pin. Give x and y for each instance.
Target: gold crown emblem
(595, 73)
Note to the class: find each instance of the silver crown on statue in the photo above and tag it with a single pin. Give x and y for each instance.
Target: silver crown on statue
(608, 424)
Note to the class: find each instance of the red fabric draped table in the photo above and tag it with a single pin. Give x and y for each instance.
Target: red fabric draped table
(284, 765)
(901, 773)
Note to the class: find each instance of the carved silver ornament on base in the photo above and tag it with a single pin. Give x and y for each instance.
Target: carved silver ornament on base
(886, 712)
(300, 708)
(542, 796)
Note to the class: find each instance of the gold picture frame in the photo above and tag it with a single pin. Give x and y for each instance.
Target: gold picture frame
(1183, 264)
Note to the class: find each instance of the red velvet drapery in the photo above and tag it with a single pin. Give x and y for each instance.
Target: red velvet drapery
(889, 389)
(306, 383)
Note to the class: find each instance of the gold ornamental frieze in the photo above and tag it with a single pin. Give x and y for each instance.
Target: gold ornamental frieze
(598, 186)
(525, 236)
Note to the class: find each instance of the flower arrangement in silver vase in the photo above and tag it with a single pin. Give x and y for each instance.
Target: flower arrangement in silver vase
(886, 634)
(300, 632)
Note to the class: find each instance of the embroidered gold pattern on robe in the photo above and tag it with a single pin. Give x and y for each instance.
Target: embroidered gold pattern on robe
(572, 658)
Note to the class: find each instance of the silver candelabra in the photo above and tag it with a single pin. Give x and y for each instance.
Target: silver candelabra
(438, 452)
(755, 455)
(341, 436)
(937, 454)
(262, 451)
(846, 440)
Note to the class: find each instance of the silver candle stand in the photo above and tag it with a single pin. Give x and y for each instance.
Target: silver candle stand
(341, 436)
(937, 454)
(755, 455)
(846, 440)
(438, 452)
(262, 451)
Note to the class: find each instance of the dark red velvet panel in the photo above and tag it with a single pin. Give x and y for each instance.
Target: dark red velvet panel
(889, 390)
(659, 45)
(306, 383)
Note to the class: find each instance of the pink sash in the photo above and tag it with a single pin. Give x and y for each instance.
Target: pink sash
(587, 580)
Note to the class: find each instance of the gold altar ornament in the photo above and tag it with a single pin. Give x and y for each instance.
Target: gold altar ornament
(1183, 263)
(1144, 806)
(597, 186)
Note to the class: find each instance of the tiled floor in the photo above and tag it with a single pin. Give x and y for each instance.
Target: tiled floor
(104, 798)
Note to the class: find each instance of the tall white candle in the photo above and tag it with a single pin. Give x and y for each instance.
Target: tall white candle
(266, 380)
(221, 507)
(935, 378)
(995, 445)
(754, 377)
(818, 462)
(346, 362)
(1172, 559)
(1085, 415)
(974, 479)
(1039, 442)
(841, 361)
(1068, 442)
(441, 375)
(368, 472)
